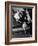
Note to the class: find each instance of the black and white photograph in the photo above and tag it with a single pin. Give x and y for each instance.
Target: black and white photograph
(21, 22)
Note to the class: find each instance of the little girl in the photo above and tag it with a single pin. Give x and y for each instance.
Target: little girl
(24, 25)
